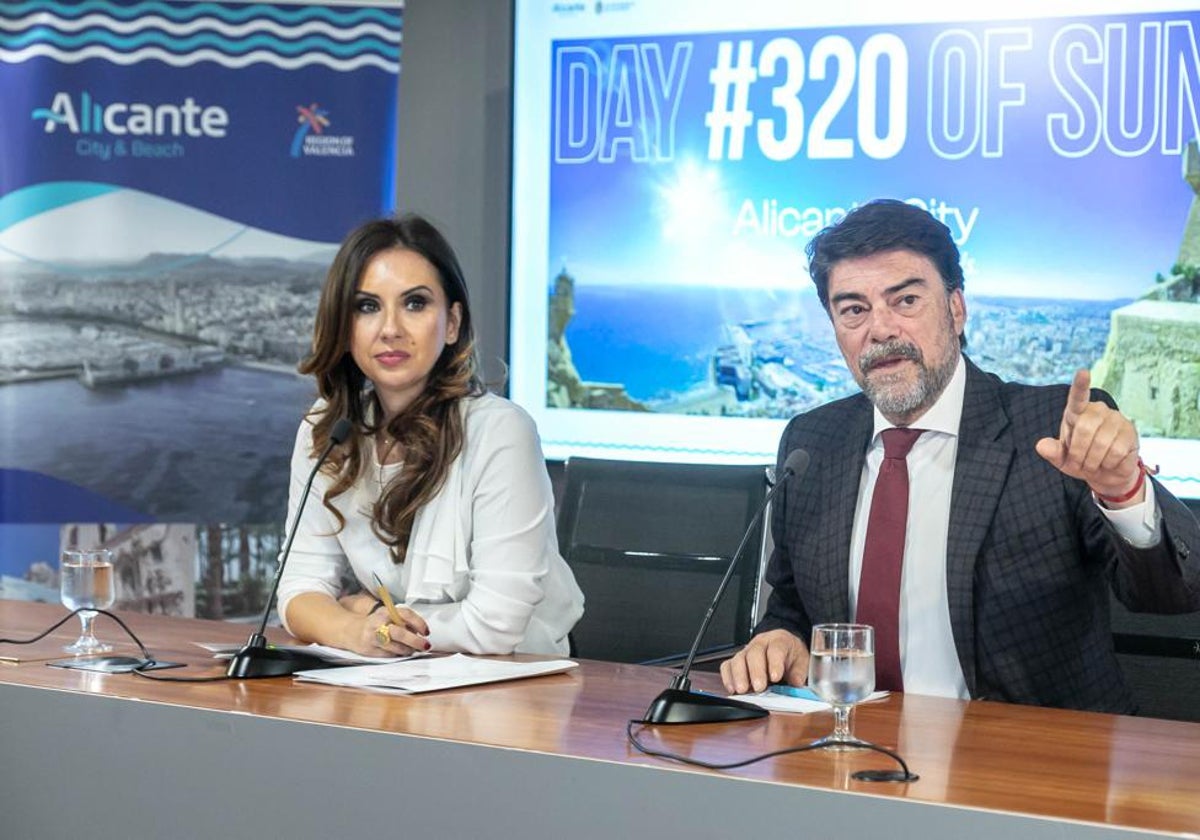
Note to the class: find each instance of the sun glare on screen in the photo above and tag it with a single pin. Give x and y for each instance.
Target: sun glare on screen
(692, 202)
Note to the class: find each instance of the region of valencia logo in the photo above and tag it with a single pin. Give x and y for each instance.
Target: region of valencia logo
(311, 139)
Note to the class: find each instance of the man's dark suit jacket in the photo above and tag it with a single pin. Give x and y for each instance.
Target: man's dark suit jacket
(1029, 555)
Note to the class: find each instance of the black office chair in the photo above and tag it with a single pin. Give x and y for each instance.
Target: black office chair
(649, 544)
(1160, 655)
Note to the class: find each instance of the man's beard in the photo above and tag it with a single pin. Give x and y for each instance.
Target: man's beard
(898, 398)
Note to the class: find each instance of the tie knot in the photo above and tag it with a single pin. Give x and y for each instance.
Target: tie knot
(898, 442)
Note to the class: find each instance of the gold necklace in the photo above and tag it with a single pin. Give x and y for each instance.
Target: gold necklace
(384, 449)
(384, 443)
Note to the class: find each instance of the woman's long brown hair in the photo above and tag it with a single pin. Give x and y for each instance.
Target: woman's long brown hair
(429, 431)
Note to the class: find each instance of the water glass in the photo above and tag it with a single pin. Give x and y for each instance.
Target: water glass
(86, 579)
(841, 671)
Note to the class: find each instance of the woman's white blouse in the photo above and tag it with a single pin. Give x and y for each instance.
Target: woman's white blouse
(482, 568)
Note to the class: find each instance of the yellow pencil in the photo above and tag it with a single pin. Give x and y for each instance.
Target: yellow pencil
(385, 596)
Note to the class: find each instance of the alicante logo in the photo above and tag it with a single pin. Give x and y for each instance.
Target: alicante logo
(116, 130)
(139, 119)
(310, 139)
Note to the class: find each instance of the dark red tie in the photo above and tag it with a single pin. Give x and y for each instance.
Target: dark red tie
(883, 557)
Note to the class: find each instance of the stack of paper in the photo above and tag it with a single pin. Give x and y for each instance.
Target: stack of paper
(221, 650)
(414, 676)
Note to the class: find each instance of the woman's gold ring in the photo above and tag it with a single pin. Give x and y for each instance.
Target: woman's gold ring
(383, 634)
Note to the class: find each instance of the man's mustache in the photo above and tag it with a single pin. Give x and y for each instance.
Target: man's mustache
(889, 351)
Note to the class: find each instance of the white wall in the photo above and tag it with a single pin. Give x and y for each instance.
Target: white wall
(454, 135)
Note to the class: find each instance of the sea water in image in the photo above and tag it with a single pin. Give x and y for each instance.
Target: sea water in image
(842, 678)
(213, 446)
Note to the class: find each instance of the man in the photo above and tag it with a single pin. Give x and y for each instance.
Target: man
(1023, 504)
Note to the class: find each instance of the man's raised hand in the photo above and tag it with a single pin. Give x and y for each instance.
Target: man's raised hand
(1096, 444)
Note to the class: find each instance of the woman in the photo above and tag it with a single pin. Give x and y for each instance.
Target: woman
(441, 490)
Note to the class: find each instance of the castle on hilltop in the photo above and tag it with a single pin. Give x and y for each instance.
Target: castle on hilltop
(1151, 364)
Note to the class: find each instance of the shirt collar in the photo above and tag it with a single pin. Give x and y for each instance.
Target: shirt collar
(944, 415)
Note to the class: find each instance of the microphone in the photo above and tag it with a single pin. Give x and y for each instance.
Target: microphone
(256, 659)
(679, 704)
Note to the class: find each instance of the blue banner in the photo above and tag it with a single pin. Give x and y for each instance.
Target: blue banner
(174, 179)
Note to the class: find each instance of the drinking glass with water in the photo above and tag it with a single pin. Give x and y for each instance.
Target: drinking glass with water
(841, 671)
(86, 578)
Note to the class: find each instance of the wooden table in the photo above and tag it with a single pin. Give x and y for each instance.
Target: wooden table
(87, 754)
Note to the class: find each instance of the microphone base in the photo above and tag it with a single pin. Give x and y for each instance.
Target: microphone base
(252, 662)
(677, 706)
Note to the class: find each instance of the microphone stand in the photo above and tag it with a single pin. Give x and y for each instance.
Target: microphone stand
(256, 658)
(678, 703)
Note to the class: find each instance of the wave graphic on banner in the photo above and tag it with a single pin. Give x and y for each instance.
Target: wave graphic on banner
(231, 30)
(32, 221)
(343, 40)
(234, 13)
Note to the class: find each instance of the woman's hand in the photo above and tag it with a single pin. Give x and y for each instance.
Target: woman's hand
(378, 635)
(353, 623)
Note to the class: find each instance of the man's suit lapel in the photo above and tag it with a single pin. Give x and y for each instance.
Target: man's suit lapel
(845, 476)
(985, 451)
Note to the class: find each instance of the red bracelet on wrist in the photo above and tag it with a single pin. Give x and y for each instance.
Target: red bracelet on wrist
(1143, 471)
